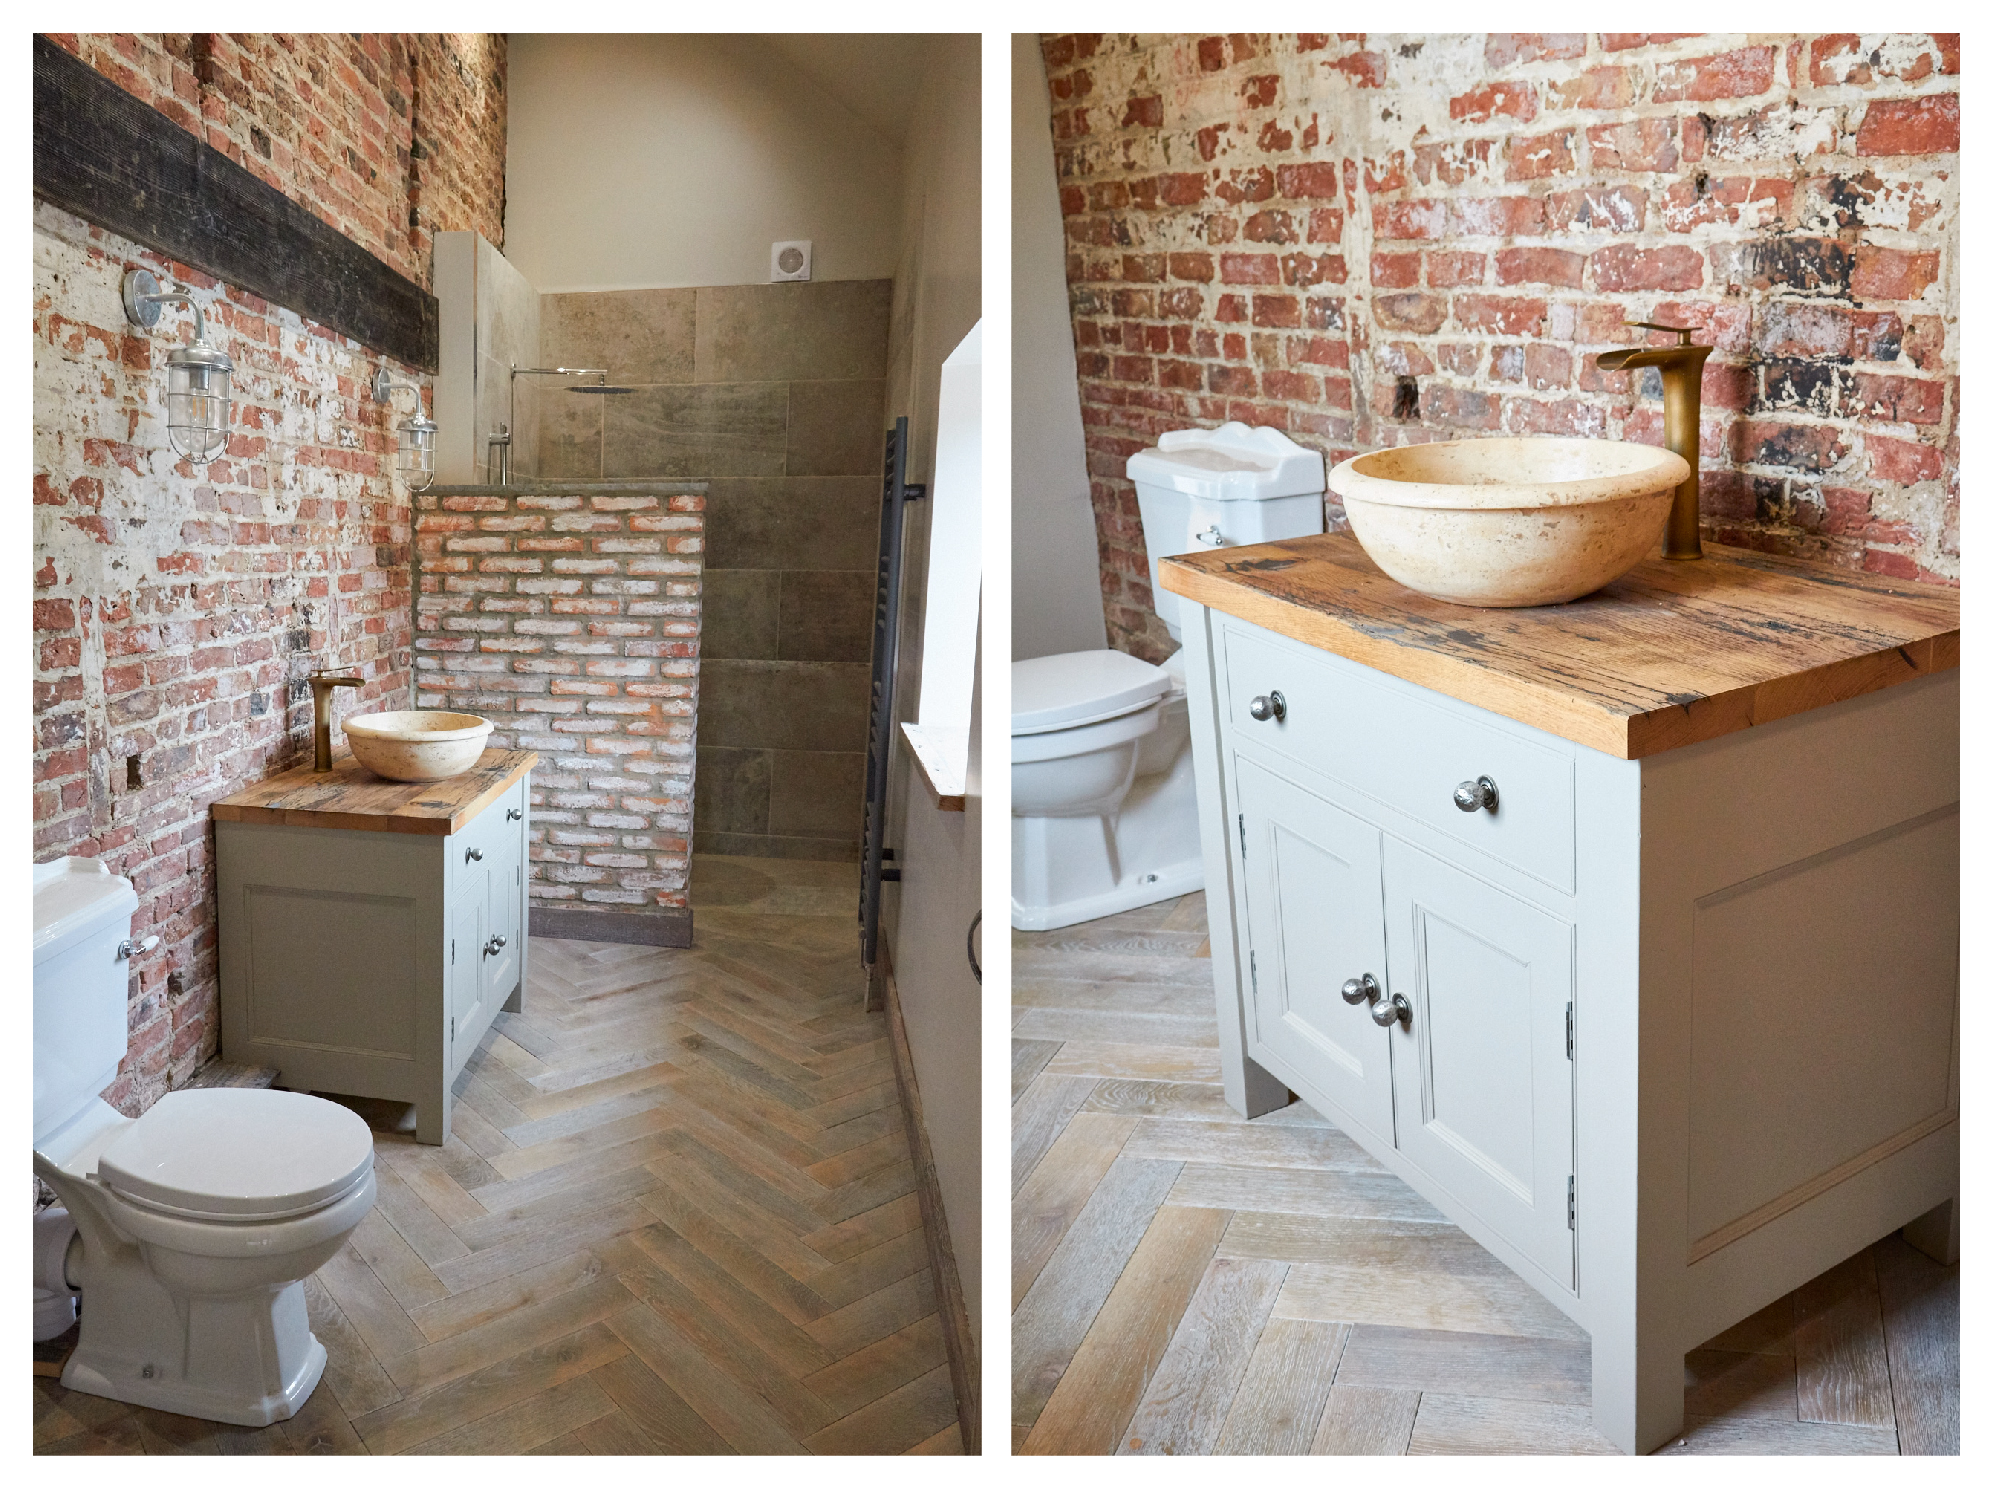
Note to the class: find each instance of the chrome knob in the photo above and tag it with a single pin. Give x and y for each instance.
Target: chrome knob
(472, 855)
(1479, 795)
(496, 945)
(1360, 989)
(130, 948)
(1269, 705)
(1396, 1010)
(513, 814)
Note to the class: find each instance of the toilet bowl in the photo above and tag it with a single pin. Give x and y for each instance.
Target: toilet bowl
(1103, 816)
(196, 1223)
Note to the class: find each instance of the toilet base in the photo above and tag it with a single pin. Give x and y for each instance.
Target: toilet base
(245, 1350)
(1145, 888)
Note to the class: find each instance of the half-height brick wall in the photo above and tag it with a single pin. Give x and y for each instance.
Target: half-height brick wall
(569, 615)
(177, 610)
(1375, 240)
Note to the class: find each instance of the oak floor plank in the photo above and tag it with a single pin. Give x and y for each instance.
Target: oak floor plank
(1497, 1365)
(1187, 1031)
(1029, 1057)
(1300, 1192)
(381, 1322)
(524, 1426)
(871, 1270)
(1057, 1310)
(783, 1341)
(494, 1386)
(1360, 1241)
(867, 1229)
(1408, 1296)
(1739, 1383)
(1240, 1145)
(1841, 1371)
(1113, 1365)
(425, 1369)
(392, 1260)
(741, 1418)
(1122, 1060)
(1059, 1188)
(1365, 1421)
(727, 1352)
(612, 1436)
(1281, 1397)
(885, 1365)
(1190, 1000)
(1920, 1301)
(896, 1422)
(1192, 1391)
(458, 1312)
(353, 1374)
(856, 1163)
(947, 1443)
(721, 1246)
(1040, 1116)
(120, 1437)
(875, 1316)
(1477, 1425)
(426, 1232)
(321, 1429)
(543, 1243)
(1730, 1436)
(656, 1409)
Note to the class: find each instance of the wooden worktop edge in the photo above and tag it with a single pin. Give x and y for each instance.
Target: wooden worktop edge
(1626, 736)
(380, 821)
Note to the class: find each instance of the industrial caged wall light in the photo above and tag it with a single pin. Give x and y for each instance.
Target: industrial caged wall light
(415, 438)
(197, 375)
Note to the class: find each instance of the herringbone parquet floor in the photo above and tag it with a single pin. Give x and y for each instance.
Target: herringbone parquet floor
(1184, 1281)
(676, 1215)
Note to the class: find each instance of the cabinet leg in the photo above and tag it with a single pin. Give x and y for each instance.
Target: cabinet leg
(1258, 1092)
(514, 999)
(1638, 1391)
(1938, 1232)
(433, 1119)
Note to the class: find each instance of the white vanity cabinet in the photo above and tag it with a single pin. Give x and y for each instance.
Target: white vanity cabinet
(371, 930)
(1621, 1019)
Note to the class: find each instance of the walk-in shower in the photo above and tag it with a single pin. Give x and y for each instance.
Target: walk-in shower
(499, 444)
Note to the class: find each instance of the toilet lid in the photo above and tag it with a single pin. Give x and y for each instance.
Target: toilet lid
(230, 1154)
(1081, 687)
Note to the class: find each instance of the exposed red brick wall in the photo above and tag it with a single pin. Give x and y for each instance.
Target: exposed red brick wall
(571, 619)
(389, 138)
(177, 610)
(1375, 240)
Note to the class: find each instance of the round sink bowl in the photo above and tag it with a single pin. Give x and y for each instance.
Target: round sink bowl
(417, 744)
(1509, 522)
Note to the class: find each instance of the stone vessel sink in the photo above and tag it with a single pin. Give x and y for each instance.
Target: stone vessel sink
(417, 744)
(1509, 522)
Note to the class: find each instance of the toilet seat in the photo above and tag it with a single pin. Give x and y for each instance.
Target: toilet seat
(235, 1156)
(1079, 688)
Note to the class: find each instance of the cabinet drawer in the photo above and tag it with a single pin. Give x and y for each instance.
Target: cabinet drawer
(1405, 752)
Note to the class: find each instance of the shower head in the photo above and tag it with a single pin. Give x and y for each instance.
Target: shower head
(599, 388)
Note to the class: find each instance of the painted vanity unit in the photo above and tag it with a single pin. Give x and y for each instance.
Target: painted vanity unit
(1624, 931)
(372, 929)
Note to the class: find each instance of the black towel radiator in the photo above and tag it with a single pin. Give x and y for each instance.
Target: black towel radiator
(875, 856)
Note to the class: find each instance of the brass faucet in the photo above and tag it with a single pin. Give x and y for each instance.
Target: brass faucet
(1682, 368)
(322, 715)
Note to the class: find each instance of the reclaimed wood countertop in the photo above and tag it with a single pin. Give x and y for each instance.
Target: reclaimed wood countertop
(1669, 654)
(353, 797)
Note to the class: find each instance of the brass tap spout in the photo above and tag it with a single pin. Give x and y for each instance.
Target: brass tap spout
(322, 715)
(1683, 367)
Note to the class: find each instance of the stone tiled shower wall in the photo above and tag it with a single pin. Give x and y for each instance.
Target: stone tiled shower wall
(1375, 240)
(772, 394)
(177, 610)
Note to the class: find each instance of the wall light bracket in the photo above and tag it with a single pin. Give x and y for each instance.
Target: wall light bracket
(197, 375)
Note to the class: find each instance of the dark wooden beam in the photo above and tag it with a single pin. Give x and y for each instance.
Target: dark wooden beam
(108, 158)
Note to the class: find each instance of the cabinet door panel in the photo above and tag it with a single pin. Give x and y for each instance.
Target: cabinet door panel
(1313, 912)
(468, 997)
(1483, 1088)
(502, 916)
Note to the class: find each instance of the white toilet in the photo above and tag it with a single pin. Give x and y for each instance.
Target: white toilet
(1104, 813)
(195, 1224)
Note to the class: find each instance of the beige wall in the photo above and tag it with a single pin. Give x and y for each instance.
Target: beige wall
(1056, 595)
(687, 156)
(938, 296)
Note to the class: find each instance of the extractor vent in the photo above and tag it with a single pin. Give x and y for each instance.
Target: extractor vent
(789, 261)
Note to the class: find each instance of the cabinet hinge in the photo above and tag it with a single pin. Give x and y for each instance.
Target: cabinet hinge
(1254, 978)
(1569, 1202)
(453, 953)
(1569, 1031)
(1242, 819)
(453, 1028)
